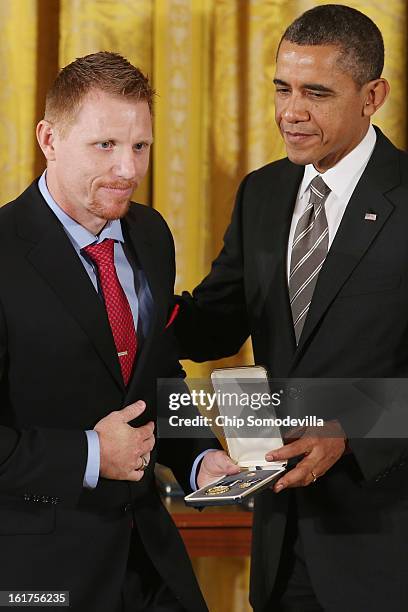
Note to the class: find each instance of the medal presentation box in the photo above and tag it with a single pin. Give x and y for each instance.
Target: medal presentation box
(248, 452)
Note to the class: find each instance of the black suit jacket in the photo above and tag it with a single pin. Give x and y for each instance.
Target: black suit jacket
(354, 520)
(59, 374)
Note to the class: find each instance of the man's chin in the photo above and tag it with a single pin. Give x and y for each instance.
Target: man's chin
(111, 212)
(300, 159)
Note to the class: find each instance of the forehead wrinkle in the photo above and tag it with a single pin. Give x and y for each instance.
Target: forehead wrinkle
(123, 122)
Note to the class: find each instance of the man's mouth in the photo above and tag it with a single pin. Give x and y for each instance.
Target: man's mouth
(119, 188)
(297, 137)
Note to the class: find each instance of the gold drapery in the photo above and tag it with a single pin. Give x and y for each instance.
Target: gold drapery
(212, 64)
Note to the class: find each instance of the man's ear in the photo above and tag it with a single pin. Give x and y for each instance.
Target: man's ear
(375, 95)
(45, 133)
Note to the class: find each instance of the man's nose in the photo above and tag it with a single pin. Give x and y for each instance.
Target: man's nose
(295, 109)
(126, 165)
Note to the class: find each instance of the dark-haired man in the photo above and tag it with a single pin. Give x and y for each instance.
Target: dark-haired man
(85, 333)
(314, 268)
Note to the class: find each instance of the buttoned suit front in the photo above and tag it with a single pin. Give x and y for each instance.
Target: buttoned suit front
(59, 375)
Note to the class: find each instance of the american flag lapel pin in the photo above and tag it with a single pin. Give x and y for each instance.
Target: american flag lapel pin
(370, 217)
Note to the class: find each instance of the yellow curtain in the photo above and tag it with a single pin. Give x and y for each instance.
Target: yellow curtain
(212, 64)
(18, 44)
(87, 26)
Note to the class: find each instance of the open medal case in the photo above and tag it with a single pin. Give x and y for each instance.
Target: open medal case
(248, 450)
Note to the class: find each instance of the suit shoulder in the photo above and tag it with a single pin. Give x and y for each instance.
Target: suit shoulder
(8, 221)
(270, 172)
(153, 222)
(146, 214)
(403, 155)
(7, 212)
(274, 168)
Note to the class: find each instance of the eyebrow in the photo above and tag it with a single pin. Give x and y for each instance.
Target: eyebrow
(312, 86)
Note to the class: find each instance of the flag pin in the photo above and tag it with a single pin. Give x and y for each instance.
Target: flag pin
(370, 217)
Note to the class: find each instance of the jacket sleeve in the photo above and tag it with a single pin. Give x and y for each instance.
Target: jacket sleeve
(178, 446)
(213, 321)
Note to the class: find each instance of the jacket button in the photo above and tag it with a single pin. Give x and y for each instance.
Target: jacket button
(127, 507)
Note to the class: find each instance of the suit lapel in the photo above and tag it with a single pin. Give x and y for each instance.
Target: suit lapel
(355, 234)
(146, 257)
(55, 260)
(274, 227)
(50, 252)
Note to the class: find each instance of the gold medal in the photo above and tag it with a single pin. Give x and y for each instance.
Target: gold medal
(217, 490)
(248, 483)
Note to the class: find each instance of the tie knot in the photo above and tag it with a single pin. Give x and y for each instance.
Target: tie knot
(318, 190)
(101, 253)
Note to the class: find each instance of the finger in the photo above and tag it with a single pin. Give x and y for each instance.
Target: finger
(142, 461)
(294, 433)
(293, 449)
(135, 475)
(132, 411)
(218, 459)
(146, 447)
(150, 444)
(225, 464)
(145, 431)
(299, 476)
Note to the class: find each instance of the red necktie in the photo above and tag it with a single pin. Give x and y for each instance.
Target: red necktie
(118, 309)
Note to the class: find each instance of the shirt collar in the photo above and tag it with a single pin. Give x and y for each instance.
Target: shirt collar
(341, 175)
(77, 232)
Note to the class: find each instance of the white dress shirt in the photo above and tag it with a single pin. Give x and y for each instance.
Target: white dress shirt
(342, 180)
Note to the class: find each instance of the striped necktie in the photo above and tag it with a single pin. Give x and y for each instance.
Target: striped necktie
(309, 250)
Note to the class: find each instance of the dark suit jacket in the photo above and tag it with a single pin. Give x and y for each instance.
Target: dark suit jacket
(354, 520)
(59, 374)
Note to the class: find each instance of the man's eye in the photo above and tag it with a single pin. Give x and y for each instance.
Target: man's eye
(107, 144)
(139, 146)
(282, 90)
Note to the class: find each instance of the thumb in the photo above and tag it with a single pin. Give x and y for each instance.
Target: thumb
(132, 411)
(227, 464)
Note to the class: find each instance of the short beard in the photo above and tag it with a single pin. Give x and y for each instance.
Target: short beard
(109, 212)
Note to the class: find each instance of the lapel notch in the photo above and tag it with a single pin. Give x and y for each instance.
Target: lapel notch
(356, 233)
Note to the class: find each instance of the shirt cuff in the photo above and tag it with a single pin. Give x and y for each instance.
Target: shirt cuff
(193, 480)
(93, 463)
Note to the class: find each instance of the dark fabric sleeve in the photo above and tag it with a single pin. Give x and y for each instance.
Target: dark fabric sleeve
(179, 453)
(213, 321)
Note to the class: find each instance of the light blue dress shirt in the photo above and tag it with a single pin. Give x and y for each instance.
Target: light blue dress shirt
(137, 292)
